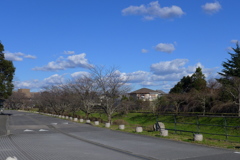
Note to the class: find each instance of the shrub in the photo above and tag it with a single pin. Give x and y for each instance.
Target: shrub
(119, 122)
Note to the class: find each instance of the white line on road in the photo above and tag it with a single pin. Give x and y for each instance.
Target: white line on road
(28, 130)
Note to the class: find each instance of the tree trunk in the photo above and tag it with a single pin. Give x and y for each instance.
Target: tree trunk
(109, 118)
(204, 107)
(87, 115)
(238, 104)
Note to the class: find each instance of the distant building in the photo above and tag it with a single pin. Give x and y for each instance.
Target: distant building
(27, 93)
(146, 94)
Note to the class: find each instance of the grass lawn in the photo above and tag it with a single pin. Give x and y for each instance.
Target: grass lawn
(215, 126)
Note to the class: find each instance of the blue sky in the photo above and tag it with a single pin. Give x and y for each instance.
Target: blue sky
(154, 43)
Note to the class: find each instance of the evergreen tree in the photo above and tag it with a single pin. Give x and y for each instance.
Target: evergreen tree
(230, 79)
(6, 75)
(186, 84)
(198, 80)
(232, 66)
(183, 86)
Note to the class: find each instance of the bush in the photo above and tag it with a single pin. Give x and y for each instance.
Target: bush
(119, 122)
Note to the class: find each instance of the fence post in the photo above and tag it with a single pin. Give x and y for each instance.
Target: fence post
(175, 123)
(225, 127)
(197, 120)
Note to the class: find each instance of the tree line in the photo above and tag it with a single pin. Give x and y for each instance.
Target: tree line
(195, 94)
(105, 91)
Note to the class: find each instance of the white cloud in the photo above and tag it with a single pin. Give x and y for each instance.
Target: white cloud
(138, 76)
(167, 67)
(30, 84)
(54, 79)
(30, 56)
(69, 52)
(18, 56)
(162, 75)
(144, 51)
(229, 49)
(234, 41)
(37, 84)
(153, 10)
(192, 69)
(169, 77)
(62, 63)
(165, 47)
(80, 74)
(148, 83)
(211, 8)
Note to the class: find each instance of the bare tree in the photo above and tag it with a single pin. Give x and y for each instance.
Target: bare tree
(233, 88)
(177, 100)
(85, 96)
(127, 104)
(213, 86)
(56, 99)
(111, 86)
(198, 100)
(161, 104)
(16, 101)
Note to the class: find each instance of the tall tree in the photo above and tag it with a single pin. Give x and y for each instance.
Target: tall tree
(183, 86)
(198, 80)
(232, 66)
(187, 83)
(230, 76)
(7, 71)
(111, 87)
(84, 90)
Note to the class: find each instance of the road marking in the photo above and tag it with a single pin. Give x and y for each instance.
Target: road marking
(65, 123)
(237, 152)
(54, 123)
(43, 130)
(11, 158)
(28, 130)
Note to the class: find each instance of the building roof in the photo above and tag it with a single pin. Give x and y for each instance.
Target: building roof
(146, 91)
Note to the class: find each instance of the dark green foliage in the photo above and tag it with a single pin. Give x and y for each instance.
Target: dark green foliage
(198, 80)
(183, 86)
(186, 84)
(232, 66)
(230, 74)
(230, 79)
(6, 75)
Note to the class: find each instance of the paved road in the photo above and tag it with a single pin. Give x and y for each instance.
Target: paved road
(39, 137)
(3, 121)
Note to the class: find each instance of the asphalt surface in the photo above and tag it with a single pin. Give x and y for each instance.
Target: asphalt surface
(3, 122)
(39, 137)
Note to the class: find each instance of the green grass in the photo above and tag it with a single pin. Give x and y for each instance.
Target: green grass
(147, 120)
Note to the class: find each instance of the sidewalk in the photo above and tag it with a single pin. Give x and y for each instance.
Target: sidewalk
(3, 121)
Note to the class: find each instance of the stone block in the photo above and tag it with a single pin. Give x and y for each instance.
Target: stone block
(121, 127)
(107, 125)
(96, 123)
(164, 132)
(198, 137)
(139, 129)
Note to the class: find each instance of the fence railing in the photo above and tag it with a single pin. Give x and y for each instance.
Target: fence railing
(214, 127)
